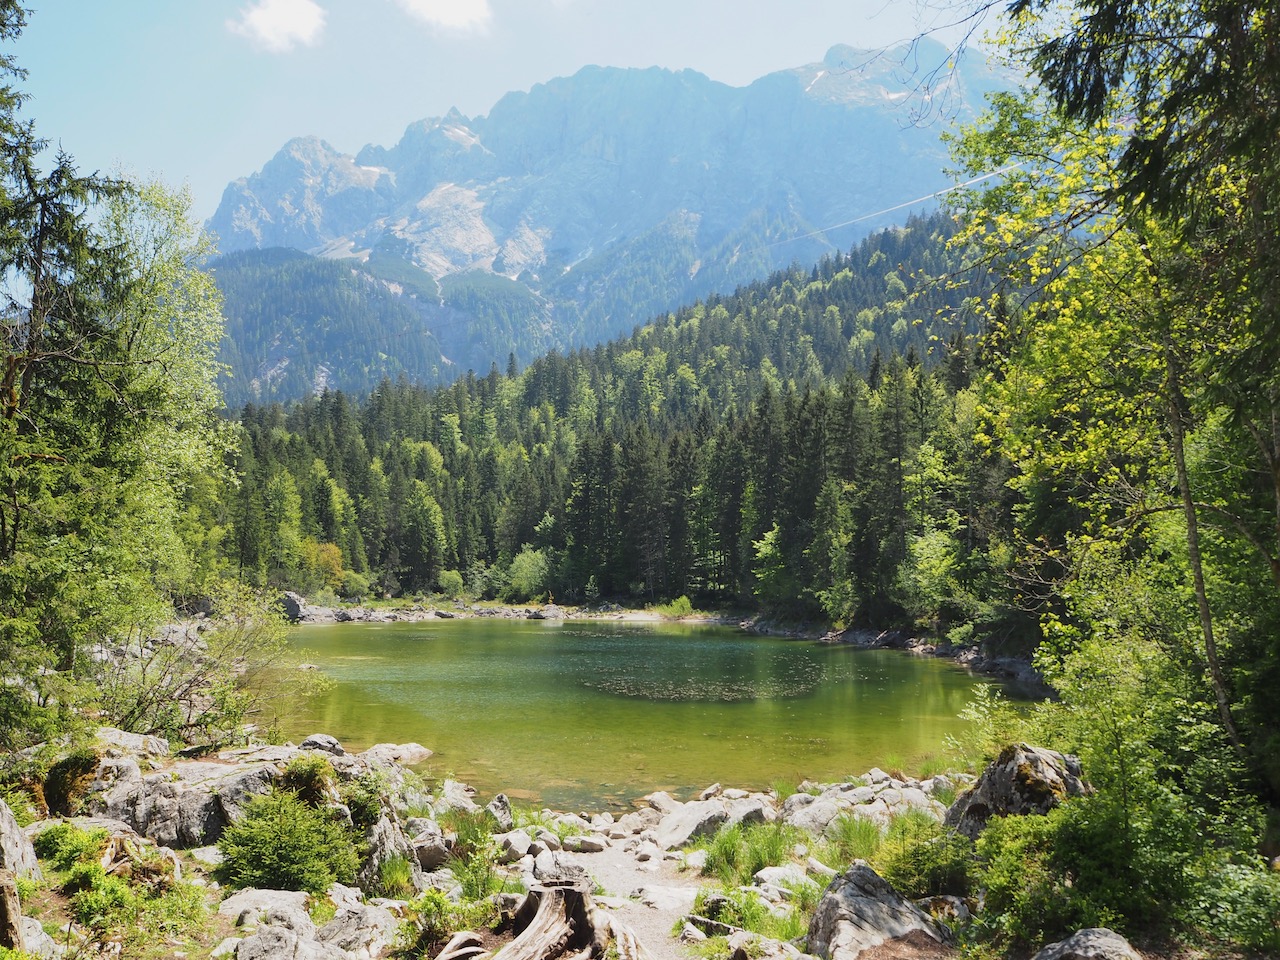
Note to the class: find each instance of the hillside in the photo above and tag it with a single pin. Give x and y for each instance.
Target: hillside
(586, 205)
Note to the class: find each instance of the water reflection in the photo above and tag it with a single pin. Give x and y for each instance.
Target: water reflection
(582, 712)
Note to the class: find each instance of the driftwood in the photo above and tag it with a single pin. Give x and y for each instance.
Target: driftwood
(557, 920)
(10, 913)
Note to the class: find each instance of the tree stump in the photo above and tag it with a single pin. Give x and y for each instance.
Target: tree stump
(557, 920)
(10, 913)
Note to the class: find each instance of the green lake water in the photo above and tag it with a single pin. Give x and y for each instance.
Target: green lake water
(586, 713)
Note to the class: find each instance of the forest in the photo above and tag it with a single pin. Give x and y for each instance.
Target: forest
(1046, 420)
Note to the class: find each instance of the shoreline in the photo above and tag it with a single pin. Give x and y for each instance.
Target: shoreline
(1015, 671)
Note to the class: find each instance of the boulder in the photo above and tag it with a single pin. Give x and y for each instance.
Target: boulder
(816, 815)
(362, 930)
(663, 802)
(698, 818)
(584, 844)
(120, 743)
(37, 942)
(16, 853)
(1095, 943)
(250, 906)
(187, 806)
(457, 796)
(396, 754)
(747, 810)
(860, 910)
(270, 942)
(1022, 780)
(635, 822)
(383, 841)
(325, 742)
(500, 808)
(293, 606)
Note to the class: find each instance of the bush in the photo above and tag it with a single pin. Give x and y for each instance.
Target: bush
(310, 776)
(1241, 904)
(283, 844)
(363, 797)
(921, 859)
(64, 844)
(450, 583)
(679, 607)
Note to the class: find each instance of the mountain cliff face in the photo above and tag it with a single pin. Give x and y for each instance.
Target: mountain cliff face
(590, 203)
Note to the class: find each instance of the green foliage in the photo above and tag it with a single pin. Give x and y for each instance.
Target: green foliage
(64, 844)
(678, 608)
(921, 859)
(310, 777)
(283, 844)
(363, 797)
(433, 918)
(395, 878)
(848, 838)
(742, 907)
(19, 802)
(450, 584)
(528, 576)
(735, 853)
(1239, 903)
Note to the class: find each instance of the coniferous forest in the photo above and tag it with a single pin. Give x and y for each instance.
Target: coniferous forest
(1043, 421)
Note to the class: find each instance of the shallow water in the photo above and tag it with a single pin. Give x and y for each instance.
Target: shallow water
(584, 713)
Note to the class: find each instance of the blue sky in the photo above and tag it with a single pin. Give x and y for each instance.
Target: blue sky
(204, 91)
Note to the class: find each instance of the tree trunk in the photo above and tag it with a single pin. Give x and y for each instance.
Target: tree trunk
(1174, 399)
(10, 913)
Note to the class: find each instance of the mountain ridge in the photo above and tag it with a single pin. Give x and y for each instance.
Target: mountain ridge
(612, 195)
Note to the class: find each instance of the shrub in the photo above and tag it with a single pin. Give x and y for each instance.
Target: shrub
(921, 859)
(363, 797)
(1241, 904)
(450, 583)
(310, 777)
(677, 608)
(64, 844)
(283, 844)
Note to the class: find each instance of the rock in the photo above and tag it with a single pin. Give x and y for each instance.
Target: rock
(691, 934)
(187, 806)
(322, 741)
(748, 810)
(500, 807)
(1022, 780)
(383, 841)
(816, 816)
(248, 907)
(860, 910)
(37, 942)
(361, 931)
(875, 775)
(1094, 943)
(788, 877)
(695, 860)
(663, 802)
(583, 844)
(271, 942)
(457, 796)
(668, 899)
(396, 754)
(951, 910)
(430, 850)
(698, 818)
(635, 822)
(16, 853)
(819, 870)
(119, 743)
(514, 845)
(711, 791)
(293, 606)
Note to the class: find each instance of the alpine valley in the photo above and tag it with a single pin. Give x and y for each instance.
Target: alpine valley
(570, 214)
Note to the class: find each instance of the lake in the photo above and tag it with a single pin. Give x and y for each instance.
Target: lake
(585, 713)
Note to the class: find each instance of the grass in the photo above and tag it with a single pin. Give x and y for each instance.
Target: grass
(849, 838)
(736, 853)
(745, 909)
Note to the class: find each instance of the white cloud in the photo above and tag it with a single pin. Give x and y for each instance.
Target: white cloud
(451, 14)
(280, 25)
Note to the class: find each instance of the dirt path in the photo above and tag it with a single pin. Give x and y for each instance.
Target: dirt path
(669, 894)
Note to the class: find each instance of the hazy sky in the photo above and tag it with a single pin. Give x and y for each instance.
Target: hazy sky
(205, 91)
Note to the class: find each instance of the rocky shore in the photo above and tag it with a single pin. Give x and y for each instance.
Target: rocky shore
(635, 870)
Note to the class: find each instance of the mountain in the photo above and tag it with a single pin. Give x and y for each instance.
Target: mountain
(591, 203)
